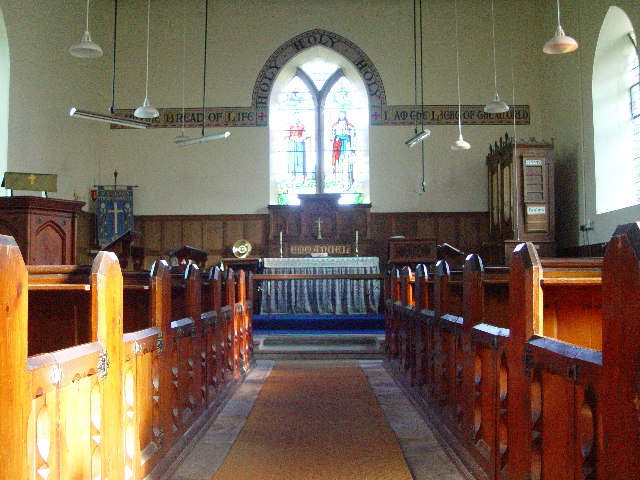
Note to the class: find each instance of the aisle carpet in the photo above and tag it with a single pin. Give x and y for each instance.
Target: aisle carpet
(315, 420)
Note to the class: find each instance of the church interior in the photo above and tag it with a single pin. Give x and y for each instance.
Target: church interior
(285, 239)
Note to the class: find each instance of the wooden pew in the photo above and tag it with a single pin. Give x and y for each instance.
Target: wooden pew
(75, 394)
(214, 332)
(68, 287)
(148, 395)
(106, 407)
(423, 299)
(231, 320)
(136, 300)
(484, 335)
(404, 314)
(619, 402)
(552, 399)
(447, 356)
(530, 400)
(187, 327)
(14, 389)
(393, 310)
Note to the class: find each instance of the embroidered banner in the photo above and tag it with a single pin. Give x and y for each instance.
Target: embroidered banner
(114, 213)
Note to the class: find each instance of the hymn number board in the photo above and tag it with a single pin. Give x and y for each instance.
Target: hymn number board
(521, 200)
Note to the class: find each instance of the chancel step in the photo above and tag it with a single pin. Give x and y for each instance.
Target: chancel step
(314, 345)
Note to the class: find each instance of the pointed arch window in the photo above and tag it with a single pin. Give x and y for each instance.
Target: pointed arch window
(319, 133)
(616, 114)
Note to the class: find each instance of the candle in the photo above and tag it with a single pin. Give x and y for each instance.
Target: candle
(281, 247)
(357, 237)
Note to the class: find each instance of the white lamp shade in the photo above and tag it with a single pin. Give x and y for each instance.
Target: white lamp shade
(86, 48)
(496, 105)
(560, 43)
(146, 110)
(460, 144)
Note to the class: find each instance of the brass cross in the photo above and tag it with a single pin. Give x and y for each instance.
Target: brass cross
(32, 178)
(319, 222)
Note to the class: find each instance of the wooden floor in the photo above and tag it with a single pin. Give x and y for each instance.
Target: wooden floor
(425, 457)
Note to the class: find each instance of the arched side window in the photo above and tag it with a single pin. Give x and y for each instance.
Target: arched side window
(616, 114)
(319, 129)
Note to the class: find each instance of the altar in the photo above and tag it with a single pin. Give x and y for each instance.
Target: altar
(321, 296)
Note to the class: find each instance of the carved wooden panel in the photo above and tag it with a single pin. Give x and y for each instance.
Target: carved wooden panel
(44, 228)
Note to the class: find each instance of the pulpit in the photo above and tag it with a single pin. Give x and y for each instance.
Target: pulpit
(44, 228)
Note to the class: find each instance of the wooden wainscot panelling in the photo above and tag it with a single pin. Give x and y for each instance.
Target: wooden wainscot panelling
(215, 234)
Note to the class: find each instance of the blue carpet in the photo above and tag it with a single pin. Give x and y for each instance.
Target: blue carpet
(318, 332)
(318, 323)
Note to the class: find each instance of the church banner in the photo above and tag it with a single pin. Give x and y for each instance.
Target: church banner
(114, 212)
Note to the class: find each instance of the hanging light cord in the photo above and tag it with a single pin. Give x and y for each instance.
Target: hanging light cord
(113, 69)
(204, 74)
(87, 16)
(424, 189)
(458, 68)
(493, 34)
(415, 64)
(184, 51)
(421, 71)
(558, 2)
(515, 211)
(146, 82)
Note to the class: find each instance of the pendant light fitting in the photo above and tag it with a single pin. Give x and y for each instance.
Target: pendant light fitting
(560, 43)
(203, 138)
(495, 105)
(459, 144)
(123, 122)
(147, 110)
(86, 48)
(421, 135)
(183, 137)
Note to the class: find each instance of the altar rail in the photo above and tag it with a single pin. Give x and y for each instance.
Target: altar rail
(95, 399)
(530, 371)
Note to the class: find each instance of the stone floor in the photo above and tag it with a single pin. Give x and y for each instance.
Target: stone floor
(426, 457)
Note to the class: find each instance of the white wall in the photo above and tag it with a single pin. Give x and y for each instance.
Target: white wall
(231, 176)
(570, 120)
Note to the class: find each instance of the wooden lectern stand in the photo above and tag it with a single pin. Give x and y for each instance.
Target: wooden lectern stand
(44, 228)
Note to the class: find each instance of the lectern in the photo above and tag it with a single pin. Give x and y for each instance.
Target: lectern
(44, 228)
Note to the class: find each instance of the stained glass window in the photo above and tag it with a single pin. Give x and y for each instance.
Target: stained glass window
(319, 134)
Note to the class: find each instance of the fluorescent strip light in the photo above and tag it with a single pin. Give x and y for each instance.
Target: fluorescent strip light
(123, 122)
(192, 141)
(417, 138)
